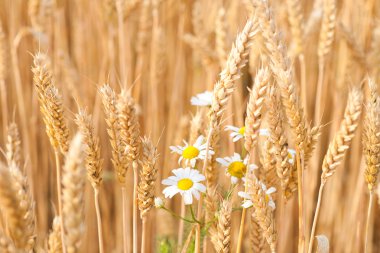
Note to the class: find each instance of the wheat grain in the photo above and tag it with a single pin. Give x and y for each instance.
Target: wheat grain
(224, 227)
(54, 240)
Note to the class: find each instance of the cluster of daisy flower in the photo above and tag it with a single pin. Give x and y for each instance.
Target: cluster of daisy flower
(187, 180)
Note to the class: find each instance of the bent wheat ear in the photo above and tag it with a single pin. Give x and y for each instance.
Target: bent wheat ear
(235, 62)
(342, 140)
(73, 182)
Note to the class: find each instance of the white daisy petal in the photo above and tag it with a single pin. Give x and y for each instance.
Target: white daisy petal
(264, 132)
(270, 190)
(168, 182)
(244, 195)
(187, 198)
(200, 187)
(232, 128)
(272, 204)
(196, 194)
(202, 99)
(247, 203)
(234, 180)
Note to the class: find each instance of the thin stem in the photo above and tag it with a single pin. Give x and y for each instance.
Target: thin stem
(144, 234)
(125, 223)
(369, 212)
(315, 220)
(181, 225)
(177, 216)
(318, 101)
(301, 59)
(59, 193)
(4, 106)
(99, 220)
(301, 228)
(188, 240)
(242, 220)
(135, 213)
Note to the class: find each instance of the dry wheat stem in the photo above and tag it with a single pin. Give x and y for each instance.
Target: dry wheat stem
(367, 226)
(98, 220)
(125, 221)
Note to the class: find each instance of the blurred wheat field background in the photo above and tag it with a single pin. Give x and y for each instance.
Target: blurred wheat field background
(277, 102)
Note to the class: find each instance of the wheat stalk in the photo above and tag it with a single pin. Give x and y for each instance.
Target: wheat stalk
(338, 147)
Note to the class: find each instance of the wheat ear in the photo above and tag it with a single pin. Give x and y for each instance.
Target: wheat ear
(93, 163)
(16, 213)
(254, 108)
(54, 239)
(73, 182)
(13, 145)
(146, 187)
(223, 89)
(130, 144)
(224, 227)
(3, 74)
(263, 213)
(371, 150)
(6, 244)
(221, 36)
(338, 147)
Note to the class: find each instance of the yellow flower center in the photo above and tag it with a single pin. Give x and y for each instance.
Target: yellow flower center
(242, 130)
(267, 198)
(190, 152)
(185, 184)
(237, 169)
(290, 156)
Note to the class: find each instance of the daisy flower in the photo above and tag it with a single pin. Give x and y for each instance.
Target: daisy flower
(247, 202)
(291, 155)
(190, 153)
(202, 99)
(238, 133)
(186, 182)
(235, 166)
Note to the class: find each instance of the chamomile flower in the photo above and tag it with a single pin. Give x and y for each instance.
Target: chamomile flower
(291, 155)
(235, 166)
(190, 153)
(202, 99)
(247, 199)
(185, 182)
(238, 133)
